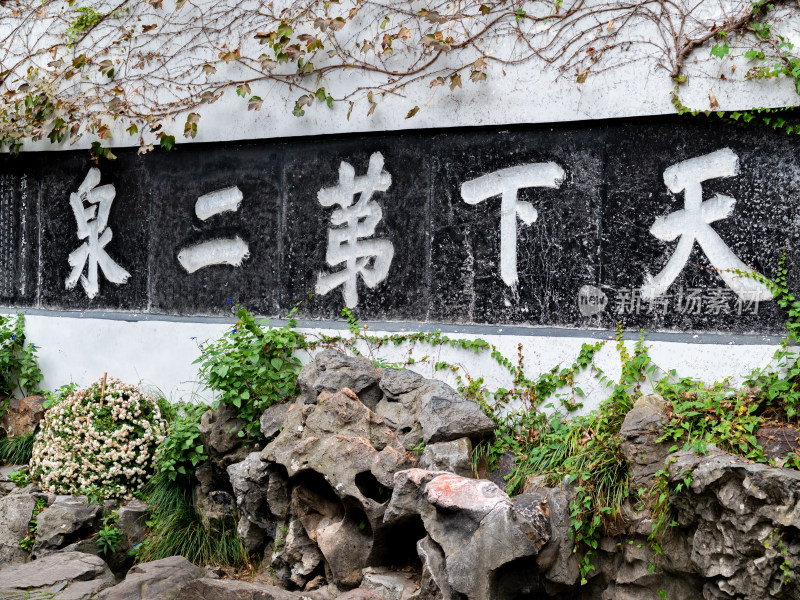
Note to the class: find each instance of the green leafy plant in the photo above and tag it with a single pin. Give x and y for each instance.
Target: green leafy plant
(109, 537)
(19, 370)
(20, 478)
(253, 366)
(27, 542)
(182, 449)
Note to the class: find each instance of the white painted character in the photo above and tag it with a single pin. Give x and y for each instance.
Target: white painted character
(224, 251)
(370, 258)
(92, 221)
(692, 223)
(506, 183)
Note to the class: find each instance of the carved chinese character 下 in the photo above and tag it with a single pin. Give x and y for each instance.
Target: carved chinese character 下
(92, 221)
(222, 251)
(369, 258)
(505, 183)
(692, 224)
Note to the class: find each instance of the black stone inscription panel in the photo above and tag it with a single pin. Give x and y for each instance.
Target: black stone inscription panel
(472, 271)
(400, 235)
(18, 234)
(642, 222)
(123, 184)
(245, 182)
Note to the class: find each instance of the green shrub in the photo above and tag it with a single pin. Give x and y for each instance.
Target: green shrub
(252, 367)
(98, 442)
(182, 449)
(19, 370)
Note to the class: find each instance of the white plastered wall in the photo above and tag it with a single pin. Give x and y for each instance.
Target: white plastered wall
(159, 354)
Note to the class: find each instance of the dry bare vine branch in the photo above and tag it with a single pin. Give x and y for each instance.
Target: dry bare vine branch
(68, 68)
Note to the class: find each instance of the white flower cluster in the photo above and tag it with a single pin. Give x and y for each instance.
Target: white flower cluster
(105, 445)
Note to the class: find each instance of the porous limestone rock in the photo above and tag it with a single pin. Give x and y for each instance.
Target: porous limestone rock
(389, 584)
(453, 456)
(642, 427)
(428, 410)
(332, 371)
(341, 457)
(483, 535)
(220, 429)
(232, 589)
(779, 442)
(743, 515)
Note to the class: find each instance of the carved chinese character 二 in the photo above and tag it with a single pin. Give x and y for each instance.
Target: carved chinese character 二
(369, 258)
(505, 183)
(92, 221)
(222, 251)
(692, 223)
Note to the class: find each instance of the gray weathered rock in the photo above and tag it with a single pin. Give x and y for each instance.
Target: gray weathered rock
(428, 410)
(778, 442)
(6, 485)
(132, 522)
(220, 430)
(232, 589)
(503, 468)
(482, 533)
(433, 584)
(445, 415)
(217, 509)
(249, 480)
(22, 415)
(272, 420)
(158, 580)
(391, 585)
(63, 522)
(332, 371)
(69, 574)
(642, 426)
(342, 457)
(15, 514)
(360, 594)
(557, 562)
(743, 516)
(295, 558)
(454, 456)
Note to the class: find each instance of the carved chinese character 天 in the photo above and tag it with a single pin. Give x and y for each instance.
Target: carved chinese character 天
(369, 258)
(222, 251)
(692, 223)
(92, 221)
(506, 183)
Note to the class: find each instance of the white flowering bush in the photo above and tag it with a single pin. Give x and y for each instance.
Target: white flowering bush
(98, 446)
